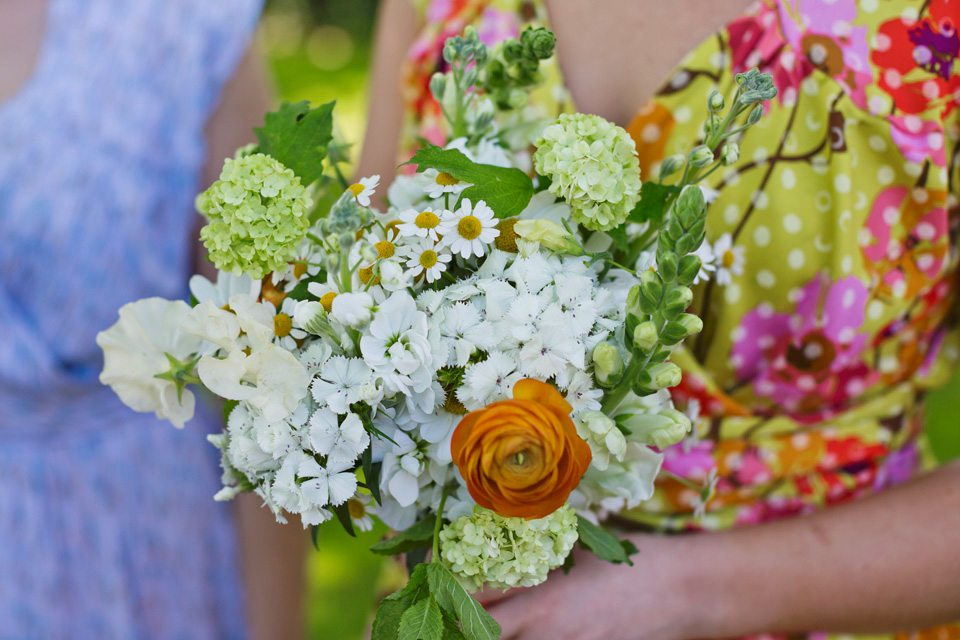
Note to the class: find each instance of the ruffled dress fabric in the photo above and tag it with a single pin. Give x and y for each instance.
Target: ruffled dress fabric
(107, 524)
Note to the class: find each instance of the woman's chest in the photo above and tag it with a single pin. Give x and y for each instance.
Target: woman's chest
(615, 55)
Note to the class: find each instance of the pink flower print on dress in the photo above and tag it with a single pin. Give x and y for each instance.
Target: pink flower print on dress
(905, 241)
(919, 140)
(807, 364)
(790, 43)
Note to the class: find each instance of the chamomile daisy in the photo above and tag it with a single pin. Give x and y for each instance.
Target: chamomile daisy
(420, 224)
(469, 229)
(729, 259)
(364, 189)
(441, 182)
(427, 258)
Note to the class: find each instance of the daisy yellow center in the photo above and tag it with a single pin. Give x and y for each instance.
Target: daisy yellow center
(427, 220)
(327, 301)
(391, 229)
(469, 228)
(282, 323)
(355, 189)
(728, 258)
(299, 268)
(445, 179)
(366, 276)
(428, 259)
(384, 249)
(356, 509)
(507, 240)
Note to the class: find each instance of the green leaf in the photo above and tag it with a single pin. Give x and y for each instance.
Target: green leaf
(451, 630)
(302, 290)
(386, 624)
(298, 137)
(343, 515)
(653, 202)
(422, 621)
(602, 543)
(228, 406)
(619, 237)
(412, 558)
(315, 536)
(371, 473)
(475, 622)
(416, 537)
(506, 191)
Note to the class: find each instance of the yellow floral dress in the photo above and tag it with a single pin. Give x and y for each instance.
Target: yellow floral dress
(832, 309)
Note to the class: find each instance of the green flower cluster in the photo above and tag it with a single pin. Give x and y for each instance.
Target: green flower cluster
(593, 165)
(502, 553)
(257, 213)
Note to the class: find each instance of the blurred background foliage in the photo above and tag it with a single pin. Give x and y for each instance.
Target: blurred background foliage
(319, 50)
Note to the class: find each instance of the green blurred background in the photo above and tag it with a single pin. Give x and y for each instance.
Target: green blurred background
(319, 50)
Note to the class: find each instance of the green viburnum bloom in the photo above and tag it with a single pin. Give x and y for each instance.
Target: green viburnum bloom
(485, 548)
(257, 215)
(593, 164)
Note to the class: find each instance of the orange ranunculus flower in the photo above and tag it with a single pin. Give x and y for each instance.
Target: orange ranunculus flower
(521, 457)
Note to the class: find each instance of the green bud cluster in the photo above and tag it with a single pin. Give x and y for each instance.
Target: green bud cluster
(514, 68)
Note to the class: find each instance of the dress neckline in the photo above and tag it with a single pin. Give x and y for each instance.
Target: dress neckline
(40, 63)
(674, 70)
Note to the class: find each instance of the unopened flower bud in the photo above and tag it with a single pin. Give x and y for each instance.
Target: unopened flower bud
(645, 336)
(449, 53)
(664, 375)
(661, 430)
(689, 268)
(438, 83)
(607, 364)
(716, 101)
(755, 115)
(309, 315)
(730, 153)
(541, 42)
(346, 240)
(701, 156)
(671, 164)
(549, 234)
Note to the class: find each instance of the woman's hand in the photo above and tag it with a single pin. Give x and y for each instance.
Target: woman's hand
(602, 601)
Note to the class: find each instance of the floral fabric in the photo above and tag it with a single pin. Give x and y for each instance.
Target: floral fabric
(809, 376)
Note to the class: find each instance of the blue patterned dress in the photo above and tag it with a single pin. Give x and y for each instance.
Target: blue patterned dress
(107, 524)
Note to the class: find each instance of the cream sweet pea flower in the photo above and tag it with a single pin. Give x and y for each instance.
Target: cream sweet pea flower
(270, 379)
(134, 352)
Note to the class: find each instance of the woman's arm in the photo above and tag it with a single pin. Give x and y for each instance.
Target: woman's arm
(889, 562)
(396, 30)
(273, 555)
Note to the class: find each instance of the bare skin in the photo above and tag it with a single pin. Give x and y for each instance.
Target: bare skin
(886, 563)
(273, 555)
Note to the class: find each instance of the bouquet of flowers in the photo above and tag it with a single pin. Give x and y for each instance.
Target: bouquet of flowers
(482, 366)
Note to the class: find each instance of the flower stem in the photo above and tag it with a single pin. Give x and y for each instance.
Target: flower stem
(436, 528)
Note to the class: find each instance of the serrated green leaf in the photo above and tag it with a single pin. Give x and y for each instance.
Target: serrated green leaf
(228, 406)
(475, 622)
(416, 537)
(653, 202)
(298, 137)
(451, 630)
(601, 542)
(506, 191)
(422, 621)
(386, 623)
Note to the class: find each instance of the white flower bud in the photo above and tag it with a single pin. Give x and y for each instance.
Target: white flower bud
(352, 309)
(308, 315)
